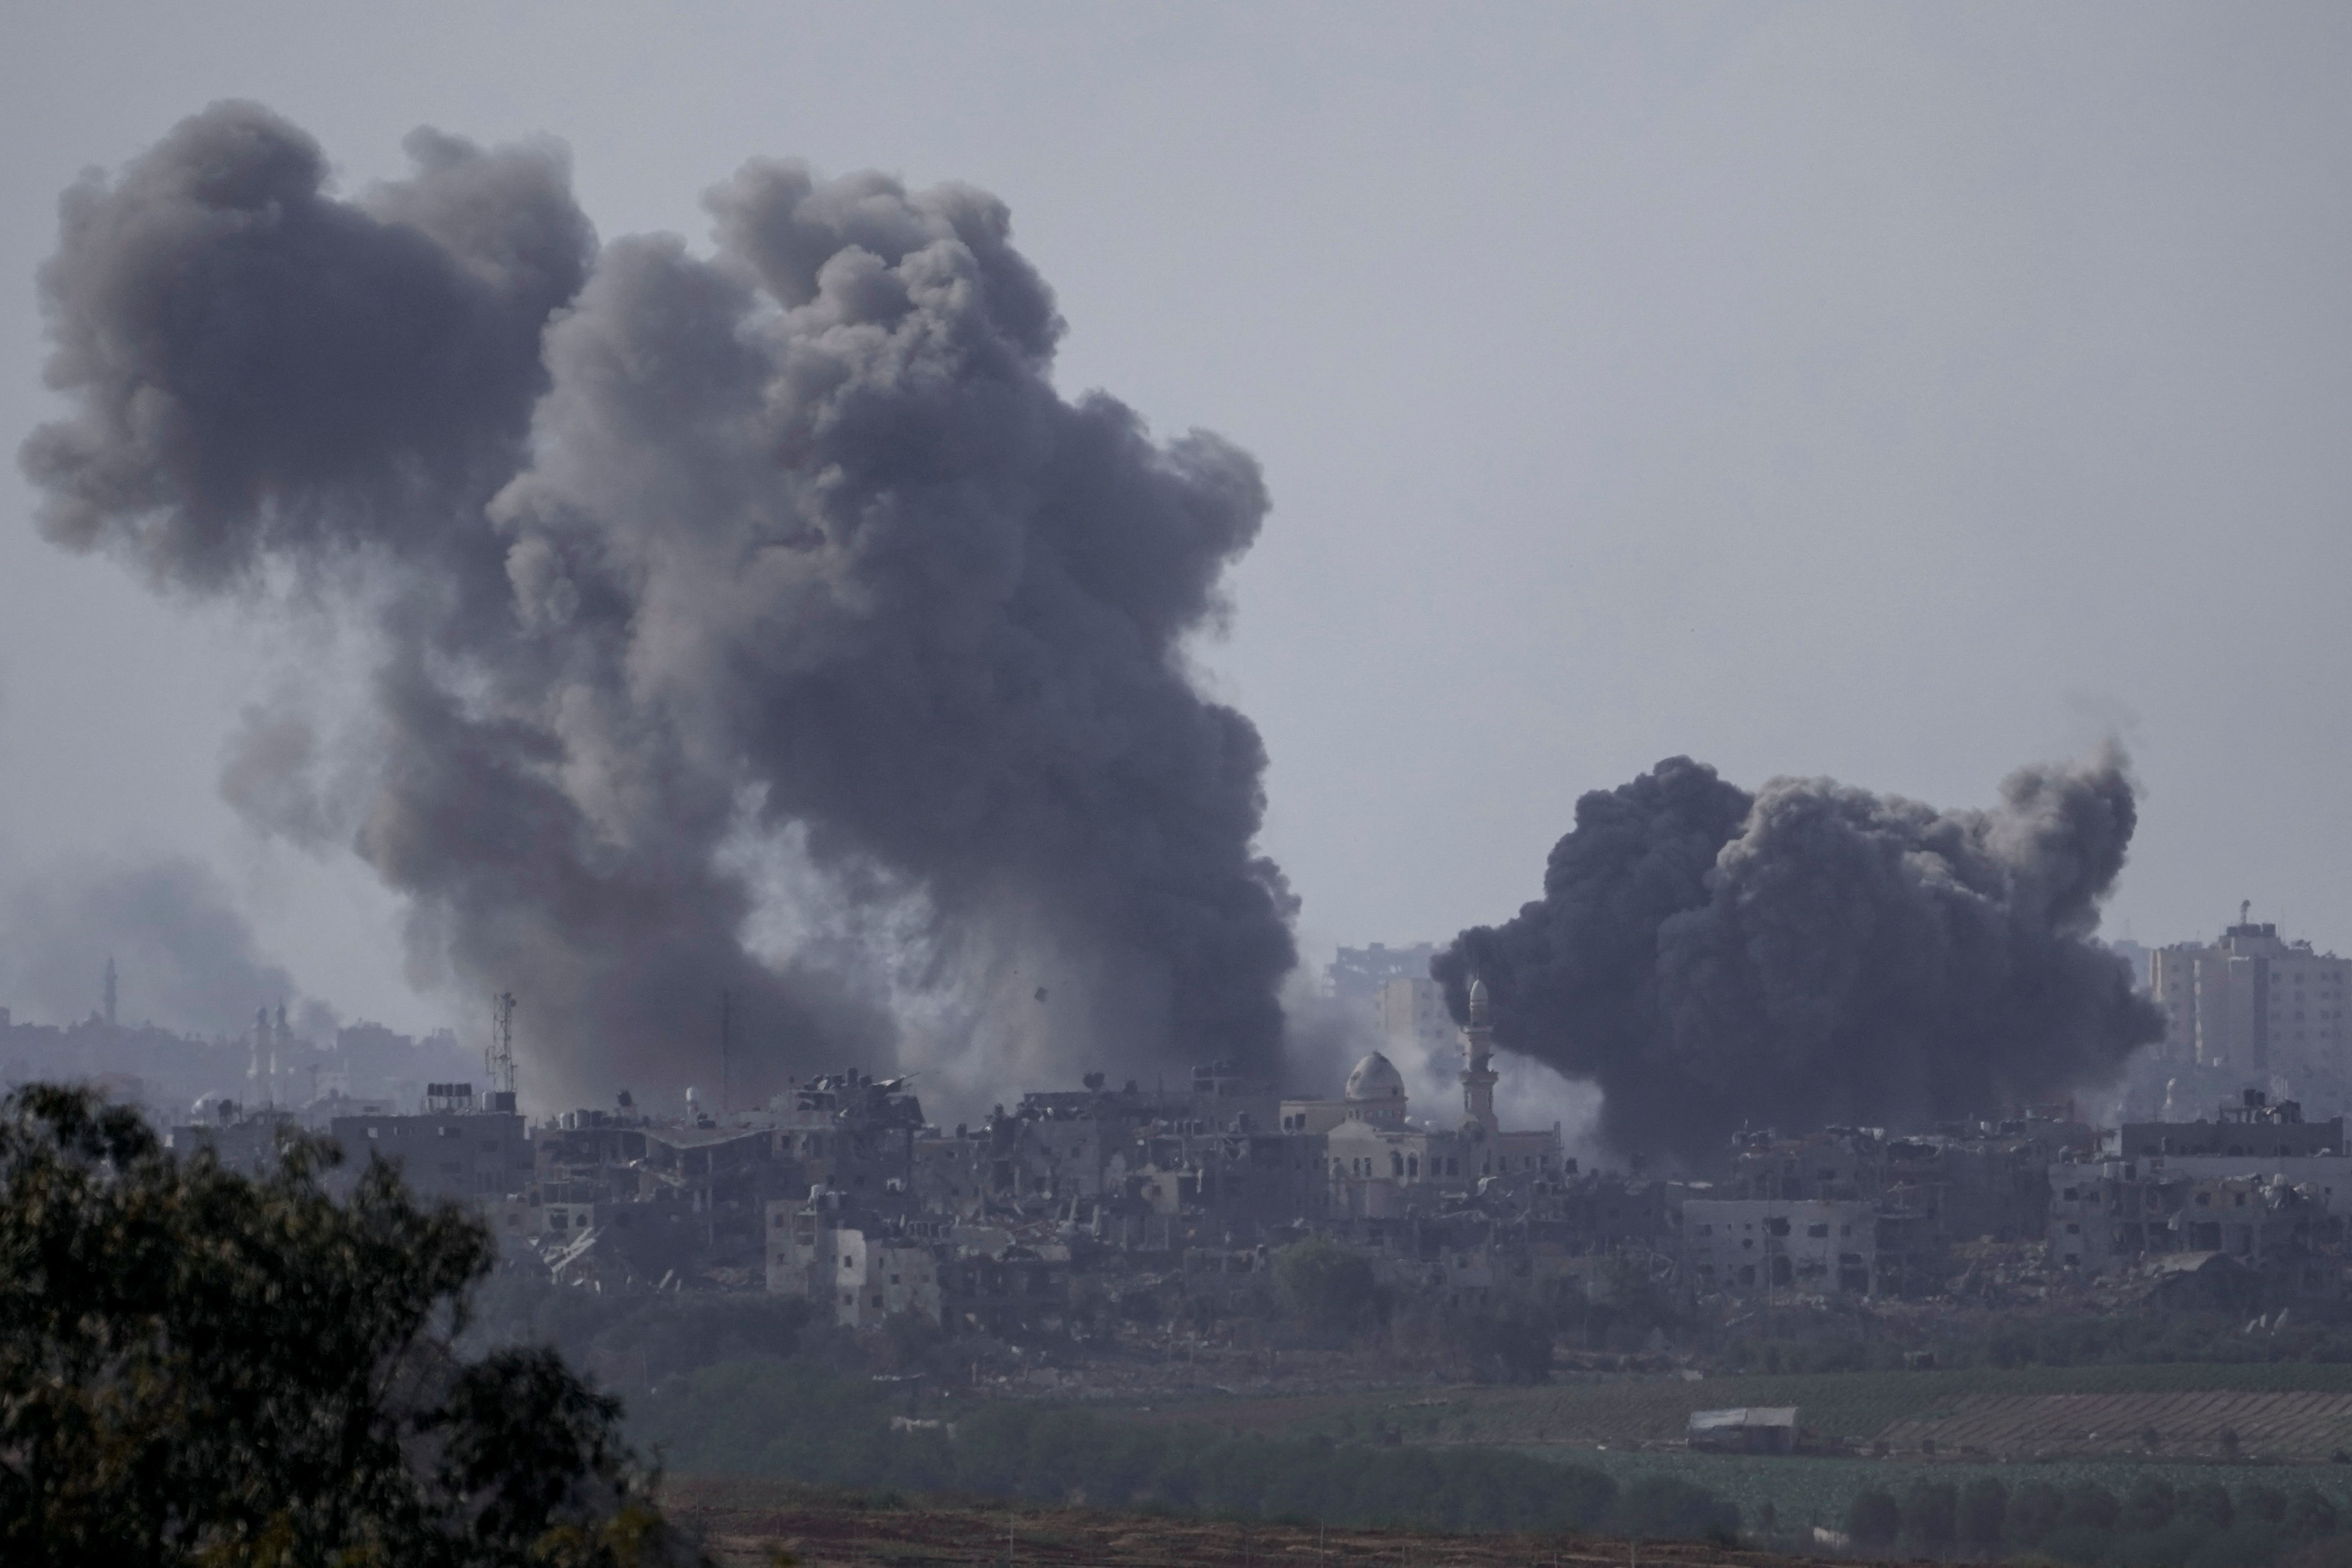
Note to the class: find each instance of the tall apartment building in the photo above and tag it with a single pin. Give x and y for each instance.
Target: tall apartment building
(1356, 975)
(1389, 988)
(2254, 1003)
(1416, 1025)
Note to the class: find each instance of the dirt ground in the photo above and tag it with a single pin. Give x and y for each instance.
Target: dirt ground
(746, 1522)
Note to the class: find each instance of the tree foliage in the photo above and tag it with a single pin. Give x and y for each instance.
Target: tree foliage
(196, 1367)
(1328, 1289)
(1875, 1520)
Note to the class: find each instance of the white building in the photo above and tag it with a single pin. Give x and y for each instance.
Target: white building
(1374, 1094)
(1376, 1151)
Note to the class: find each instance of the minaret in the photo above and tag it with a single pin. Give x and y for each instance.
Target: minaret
(110, 991)
(254, 1089)
(1479, 1077)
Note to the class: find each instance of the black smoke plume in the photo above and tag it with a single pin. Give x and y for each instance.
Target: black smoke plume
(678, 564)
(1818, 955)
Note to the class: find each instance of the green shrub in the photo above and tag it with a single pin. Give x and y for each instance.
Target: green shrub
(1930, 1516)
(1983, 1514)
(2207, 1505)
(2035, 1511)
(1328, 1289)
(2149, 1505)
(1667, 1506)
(2090, 1506)
(1875, 1520)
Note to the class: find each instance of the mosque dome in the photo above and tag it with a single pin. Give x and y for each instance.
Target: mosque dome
(1375, 1077)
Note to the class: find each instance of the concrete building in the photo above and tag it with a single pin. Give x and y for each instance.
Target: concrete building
(2255, 1003)
(1416, 1027)
(853, 1268)
(2104, 1212)
(448, 1152)
(1817, 1248)
(1377, 1153)
(1356, 975)
(2326, 1177)
(1374, 1094)
(2251, 1128)
(2261, 1212)
(245, 1142)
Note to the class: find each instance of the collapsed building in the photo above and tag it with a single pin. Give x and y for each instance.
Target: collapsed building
(1856, 1211)
(1175, 1198)
(2257, 1186)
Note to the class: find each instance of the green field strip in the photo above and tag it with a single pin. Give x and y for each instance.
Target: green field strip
(1619, 1411)
(1804, 1490)
(2301, 1426)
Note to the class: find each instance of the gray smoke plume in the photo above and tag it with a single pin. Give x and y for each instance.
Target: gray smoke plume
(792, 545)
(1817, 955)
(186, 957)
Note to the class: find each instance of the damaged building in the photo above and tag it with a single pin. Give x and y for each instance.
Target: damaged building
(1176, 1198)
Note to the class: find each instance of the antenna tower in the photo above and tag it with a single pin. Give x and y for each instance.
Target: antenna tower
(499, 1058)
(726, 1029)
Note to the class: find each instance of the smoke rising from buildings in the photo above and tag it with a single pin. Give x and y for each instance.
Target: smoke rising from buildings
(1815, 955)
(186, 957)
(791, 545)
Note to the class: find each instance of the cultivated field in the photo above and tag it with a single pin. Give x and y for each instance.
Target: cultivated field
(1803, 1491)
(2300, 1428)
(747, 1523)
(1588, 1413)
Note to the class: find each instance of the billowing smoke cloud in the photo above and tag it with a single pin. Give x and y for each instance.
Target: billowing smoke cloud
(794, 545)
(1817, 955)
(184, 956)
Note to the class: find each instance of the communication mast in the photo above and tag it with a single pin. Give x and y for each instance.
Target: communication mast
(726, 1029)
(498, 1060)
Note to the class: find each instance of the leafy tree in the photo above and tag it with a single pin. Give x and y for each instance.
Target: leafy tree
(196, 1367)
(2207, 1504)
(663, 1334)
(1330, 1289)
(1930, 1516)
(1670, 1506)
(2150, 1505)
(2035, 1511)
(1873, 1521)
(1984, 1514)
(2310, 1514)
(2090, 1506)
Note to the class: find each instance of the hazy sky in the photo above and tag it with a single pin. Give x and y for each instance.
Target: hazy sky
(1894, 392)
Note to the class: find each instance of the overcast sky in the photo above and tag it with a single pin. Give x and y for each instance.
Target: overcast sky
(1893, 393)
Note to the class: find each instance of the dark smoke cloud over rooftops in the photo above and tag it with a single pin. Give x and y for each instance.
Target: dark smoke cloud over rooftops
(793, 545)
(1815, 955)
